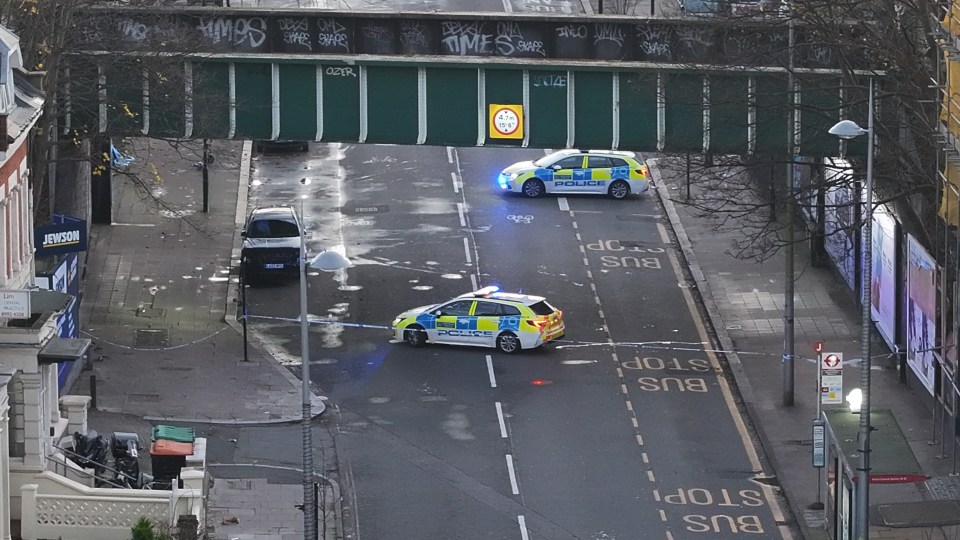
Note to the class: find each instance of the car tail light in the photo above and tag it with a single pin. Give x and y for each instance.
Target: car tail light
(539, 325)
(642, 171)
(559, 314)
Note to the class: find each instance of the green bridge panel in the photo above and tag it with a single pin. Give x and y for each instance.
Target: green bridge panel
(452, 97)
(447, 104)
(821, 100)
(341, 103)
(593, 106)
(167, 102)
(684, 122)
(392, 105)
(772, 115)
(503, 87)
(211, 106)
(83, 108)
(254, 116)
(728, 113)
(638, 111)
(548, 109)
(125, 96)
(298, 102)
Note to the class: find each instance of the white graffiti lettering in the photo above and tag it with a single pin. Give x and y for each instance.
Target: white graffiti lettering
(412, 34)
(332, 34)
(340, 72)
(463, 39)
(572, 31)
(377, 33)
(295, 31)
(549, 80)
(607, 32)
(131, 29)
(252, 31)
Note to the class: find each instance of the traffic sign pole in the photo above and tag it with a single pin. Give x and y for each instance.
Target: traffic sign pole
(819, 381)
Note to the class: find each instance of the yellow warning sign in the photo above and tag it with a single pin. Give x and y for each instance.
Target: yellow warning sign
(506, 121)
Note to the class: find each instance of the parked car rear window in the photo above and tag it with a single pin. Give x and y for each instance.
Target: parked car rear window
(542, 308)
(272, 228)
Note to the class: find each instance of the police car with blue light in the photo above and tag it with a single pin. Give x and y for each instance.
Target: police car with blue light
(483, 318)
(610, 172)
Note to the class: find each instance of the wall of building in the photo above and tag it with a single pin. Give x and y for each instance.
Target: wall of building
(16, 220)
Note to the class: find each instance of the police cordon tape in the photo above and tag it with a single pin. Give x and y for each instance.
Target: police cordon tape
(560, 343)
(315, 321)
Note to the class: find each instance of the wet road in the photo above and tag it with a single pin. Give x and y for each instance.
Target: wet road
(622, 431)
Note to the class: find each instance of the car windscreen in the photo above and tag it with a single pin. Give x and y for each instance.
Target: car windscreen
(272, 228)
(542, 308)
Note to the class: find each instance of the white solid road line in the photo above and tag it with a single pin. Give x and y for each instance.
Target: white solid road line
(449, 154)
(493, 378)
(564, 206)
(513, 476)
(503, 423)
(523, 528)
(473, 282)
(463, 220)
(456, 182)
(466, 250)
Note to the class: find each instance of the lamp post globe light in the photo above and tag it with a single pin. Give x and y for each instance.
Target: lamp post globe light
(847, 129)
(327, 261)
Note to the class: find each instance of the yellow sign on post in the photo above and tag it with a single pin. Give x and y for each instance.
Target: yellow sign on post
(506, 121)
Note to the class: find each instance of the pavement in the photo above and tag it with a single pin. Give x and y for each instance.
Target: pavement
(158, 302)
(744, 301)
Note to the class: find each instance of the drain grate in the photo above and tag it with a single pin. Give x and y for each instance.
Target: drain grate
(151, 338)
(239, 484)
(149, 312)
(944, 487)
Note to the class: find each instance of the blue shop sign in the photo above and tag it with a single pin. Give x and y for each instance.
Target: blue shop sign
(59, 238)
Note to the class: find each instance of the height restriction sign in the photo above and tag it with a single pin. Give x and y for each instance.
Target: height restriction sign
(506, 121)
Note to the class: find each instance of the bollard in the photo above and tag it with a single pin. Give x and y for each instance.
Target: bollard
(93, 392)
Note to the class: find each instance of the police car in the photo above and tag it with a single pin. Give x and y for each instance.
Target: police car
(483, 318)
(612, 172)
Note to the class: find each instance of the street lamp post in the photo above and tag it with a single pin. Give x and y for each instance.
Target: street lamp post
(328, 261)
(847, 129)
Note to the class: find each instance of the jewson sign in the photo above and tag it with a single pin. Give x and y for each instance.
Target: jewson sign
(60, 238)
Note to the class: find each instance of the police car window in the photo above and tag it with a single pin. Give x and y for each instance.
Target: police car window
(272, 228)
(599, 162)
(486, 309)
(572, 162)
(508, 310)
(459, 308)
(617, 162)
(542, 308)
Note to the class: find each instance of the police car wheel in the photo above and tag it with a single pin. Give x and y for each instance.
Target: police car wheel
(619, 190)
(508, 343)
(415, 336)
(533, 188)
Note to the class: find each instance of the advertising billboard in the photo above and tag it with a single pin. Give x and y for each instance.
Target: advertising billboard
(883, 282)
(921, 313)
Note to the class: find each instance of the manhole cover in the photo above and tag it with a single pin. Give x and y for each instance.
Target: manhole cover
(150, 312)
(151, 338)
(240, 484)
